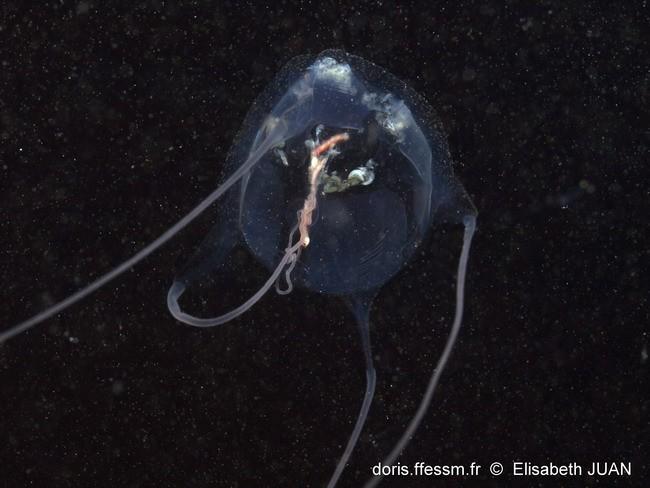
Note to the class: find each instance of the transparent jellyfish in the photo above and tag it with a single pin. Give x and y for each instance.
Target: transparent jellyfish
(337, 175)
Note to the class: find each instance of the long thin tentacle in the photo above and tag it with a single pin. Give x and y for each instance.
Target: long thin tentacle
(143, 253)
(470, 227)
(362, 312)
(177, 289)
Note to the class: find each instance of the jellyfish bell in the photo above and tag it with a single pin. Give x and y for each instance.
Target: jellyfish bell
(338, 173)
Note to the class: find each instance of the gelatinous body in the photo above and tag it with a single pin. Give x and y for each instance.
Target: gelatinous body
(337, 175)
(381, 190)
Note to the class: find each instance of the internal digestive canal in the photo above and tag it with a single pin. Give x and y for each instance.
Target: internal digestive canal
(320, 154)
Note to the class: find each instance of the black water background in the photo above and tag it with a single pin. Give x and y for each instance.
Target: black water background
(115, 121)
